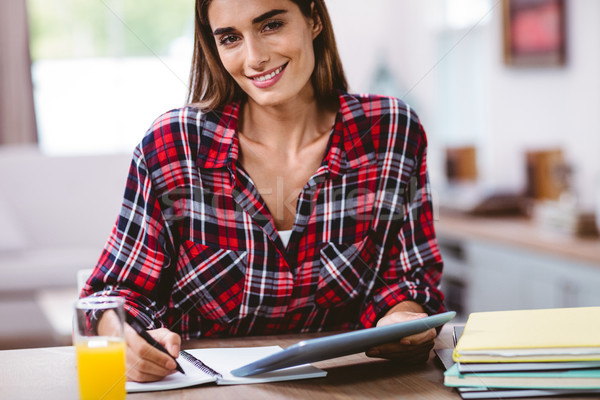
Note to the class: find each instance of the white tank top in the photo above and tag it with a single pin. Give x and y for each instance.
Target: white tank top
(285, 237)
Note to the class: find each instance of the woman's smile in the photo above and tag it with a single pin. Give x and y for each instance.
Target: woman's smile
(269, 78)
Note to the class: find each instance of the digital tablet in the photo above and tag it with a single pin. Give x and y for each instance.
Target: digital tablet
(311, 350)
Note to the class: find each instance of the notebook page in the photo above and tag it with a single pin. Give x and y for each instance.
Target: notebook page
(193, 376)
(225, 360)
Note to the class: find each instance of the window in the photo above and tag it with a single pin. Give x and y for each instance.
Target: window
(463, 71)
(466, 13)
(103, 70)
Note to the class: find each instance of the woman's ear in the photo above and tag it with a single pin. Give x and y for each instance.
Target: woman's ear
(316, 18)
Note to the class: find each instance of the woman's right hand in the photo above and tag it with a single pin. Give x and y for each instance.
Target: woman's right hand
(144, 362)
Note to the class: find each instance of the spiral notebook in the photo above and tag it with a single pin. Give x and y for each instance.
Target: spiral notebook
(213, 365)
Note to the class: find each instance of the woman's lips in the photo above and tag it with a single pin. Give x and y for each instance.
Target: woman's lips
(268, 79)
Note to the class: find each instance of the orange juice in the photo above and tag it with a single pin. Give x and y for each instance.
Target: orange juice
(101, 367)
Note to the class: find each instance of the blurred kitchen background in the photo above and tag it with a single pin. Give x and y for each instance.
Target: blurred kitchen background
(507, 90)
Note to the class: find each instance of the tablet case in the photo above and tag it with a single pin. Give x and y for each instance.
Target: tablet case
(311, 350)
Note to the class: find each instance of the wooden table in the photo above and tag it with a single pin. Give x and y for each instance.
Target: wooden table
(50, 373)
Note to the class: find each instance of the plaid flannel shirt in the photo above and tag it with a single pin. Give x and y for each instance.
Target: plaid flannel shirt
(195, 248)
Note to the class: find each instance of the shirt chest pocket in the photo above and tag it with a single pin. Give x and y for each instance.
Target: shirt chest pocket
(210, 281)
(346, 272)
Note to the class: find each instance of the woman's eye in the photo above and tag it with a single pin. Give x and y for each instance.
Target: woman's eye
(227, 40)
(272, 25)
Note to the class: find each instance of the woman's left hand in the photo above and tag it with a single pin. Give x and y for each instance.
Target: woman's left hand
(412, 349)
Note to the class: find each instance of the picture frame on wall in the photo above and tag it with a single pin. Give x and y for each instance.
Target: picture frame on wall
(534, 32)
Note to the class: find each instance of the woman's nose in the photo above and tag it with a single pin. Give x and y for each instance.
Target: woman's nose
(257, 54)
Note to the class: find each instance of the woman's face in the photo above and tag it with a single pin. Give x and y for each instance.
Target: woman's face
(266, 46)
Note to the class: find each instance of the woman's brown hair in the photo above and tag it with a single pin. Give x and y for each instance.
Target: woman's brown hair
(211, 86)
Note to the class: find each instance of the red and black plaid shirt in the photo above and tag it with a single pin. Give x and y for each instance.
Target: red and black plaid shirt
(195, 248)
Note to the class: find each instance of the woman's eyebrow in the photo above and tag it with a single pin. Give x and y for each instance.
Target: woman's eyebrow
(267, 15)
(257, 20)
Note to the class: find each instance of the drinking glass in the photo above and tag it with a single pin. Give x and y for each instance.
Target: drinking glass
(100, 357)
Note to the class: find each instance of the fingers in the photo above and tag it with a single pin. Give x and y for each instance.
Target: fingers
(413, 348)
(411, 354)
(397, 348)
(170, 340)
(144, 362)
(399, 316)
(419, 338)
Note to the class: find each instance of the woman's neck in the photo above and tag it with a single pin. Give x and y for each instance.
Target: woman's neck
(288, 127)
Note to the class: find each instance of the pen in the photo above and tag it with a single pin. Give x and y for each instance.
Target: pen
(146, 336)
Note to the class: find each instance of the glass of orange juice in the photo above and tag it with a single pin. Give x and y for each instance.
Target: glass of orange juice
(100, 356)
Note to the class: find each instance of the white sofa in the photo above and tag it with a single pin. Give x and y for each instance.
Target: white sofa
(55, 216)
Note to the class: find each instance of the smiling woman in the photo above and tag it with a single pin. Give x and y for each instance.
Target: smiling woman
(272, 146)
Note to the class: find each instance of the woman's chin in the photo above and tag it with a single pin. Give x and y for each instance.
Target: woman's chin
(269, 99)
(275, 97)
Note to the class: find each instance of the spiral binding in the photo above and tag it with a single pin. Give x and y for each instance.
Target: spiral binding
(199, 364)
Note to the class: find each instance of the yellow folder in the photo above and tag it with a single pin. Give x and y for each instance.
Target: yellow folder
(558, 334)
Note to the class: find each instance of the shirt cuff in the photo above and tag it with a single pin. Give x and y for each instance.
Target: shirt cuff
(432, 301)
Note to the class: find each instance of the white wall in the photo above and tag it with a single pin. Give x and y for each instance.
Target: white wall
(531, 108)
(523, 108)
(402, 32)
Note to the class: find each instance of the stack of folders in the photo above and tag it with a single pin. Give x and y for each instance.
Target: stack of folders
(527, 353)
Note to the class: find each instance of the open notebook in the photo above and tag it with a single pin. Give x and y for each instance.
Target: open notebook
(215, 364)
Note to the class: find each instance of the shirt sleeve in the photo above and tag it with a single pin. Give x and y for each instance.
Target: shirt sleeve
(412, 267)
(137, 261)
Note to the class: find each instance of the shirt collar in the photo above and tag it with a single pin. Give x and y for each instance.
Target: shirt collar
(218, 141)
(352, 137)
(351, 145)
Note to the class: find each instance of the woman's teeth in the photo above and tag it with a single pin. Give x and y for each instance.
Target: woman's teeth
(269, 76)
